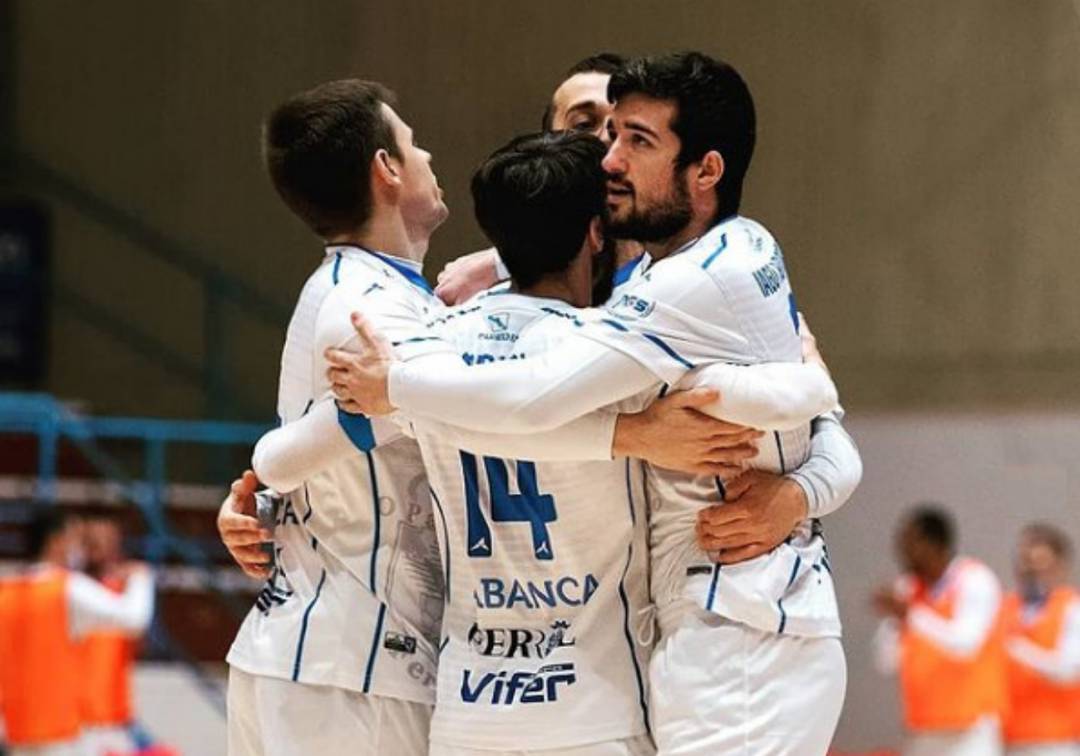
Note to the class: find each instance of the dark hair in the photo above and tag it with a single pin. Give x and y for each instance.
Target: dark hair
(535, 198)
(45, 523)
(713, 111)
(603, 62)
(1050, 536)
(318, 146)
(934, 524)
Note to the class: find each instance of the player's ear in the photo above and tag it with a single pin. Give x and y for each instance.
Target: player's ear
(384, 169)
(595, 237)
(710, 171)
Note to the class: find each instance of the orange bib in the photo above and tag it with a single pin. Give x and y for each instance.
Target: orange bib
(38, 661)
(107, 656)
(1040, 711)
(939, 691)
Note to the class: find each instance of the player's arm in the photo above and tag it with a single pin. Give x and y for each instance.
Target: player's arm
(1059, 665)
(547, 390)
(93, 606)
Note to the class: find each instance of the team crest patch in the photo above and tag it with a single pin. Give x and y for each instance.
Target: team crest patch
(498, 322)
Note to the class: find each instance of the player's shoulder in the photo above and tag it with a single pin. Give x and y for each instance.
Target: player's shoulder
(738, 244)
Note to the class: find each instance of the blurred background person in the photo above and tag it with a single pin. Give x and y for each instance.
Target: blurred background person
(43, 611)
(1042, 625)
(108, 654)
(941, 632)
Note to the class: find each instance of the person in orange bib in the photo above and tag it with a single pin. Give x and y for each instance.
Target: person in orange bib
(108, 654)
(43, 611)
(942, 633)
(1042, 623)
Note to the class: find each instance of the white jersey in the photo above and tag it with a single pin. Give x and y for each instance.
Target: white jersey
(546, 571)
(725, 296)
(355, 599)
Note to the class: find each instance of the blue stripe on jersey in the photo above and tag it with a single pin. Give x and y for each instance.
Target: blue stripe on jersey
(670, 352)
(716, 253)
(337, 267)
(623, 273)
(780, 451)
(626, 607)
(716, 567)
(416, 340)
(304, 627)
(615, 324)
(408, 273)
(358, 429)
(307, 501)
(446, 542)
(374, 648)
(780, 602)
(378, 520)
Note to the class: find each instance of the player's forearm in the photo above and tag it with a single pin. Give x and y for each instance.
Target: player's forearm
(1051, 664)
(886, 645)
(287, 456)
(771, 396)
(518, 396)
(965, 632)
(589, 438)
(833, 470)
(94, 606)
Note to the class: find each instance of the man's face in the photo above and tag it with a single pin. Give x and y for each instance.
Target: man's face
(913, 550)
(101, 544)
(1038, 568)
(647, 197)
(581, 104)
(422, 203)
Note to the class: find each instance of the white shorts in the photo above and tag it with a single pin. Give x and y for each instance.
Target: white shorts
(99, 741)
(639, 746)
(984, 739)
(1044, 749)
(725, 689)
(273, 717)
(71, 748)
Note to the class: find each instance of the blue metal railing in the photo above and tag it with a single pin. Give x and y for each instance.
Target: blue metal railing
(221, 291)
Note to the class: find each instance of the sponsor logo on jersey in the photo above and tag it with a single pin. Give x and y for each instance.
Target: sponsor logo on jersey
(472, 358)
(505, 687)
(498, 324)
(496, 593)
(771, 276)
(633, 306)
(406, 644)
(520, 642)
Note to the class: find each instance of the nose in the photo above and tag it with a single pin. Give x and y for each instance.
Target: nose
(602, 132)
(613, 162)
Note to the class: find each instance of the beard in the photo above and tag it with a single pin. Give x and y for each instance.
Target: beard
(603, 266)
(661, 221)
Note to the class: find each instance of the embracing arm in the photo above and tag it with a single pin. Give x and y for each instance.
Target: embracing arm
(833, 470)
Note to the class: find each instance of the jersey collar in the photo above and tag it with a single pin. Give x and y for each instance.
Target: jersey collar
(408, 269)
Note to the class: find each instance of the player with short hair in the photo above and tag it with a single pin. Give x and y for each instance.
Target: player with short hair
(749, 659)
(1042, 643)
(341, 645)
(942, 633)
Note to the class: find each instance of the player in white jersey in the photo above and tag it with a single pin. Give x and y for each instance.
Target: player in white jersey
(539, 556)
(749, 660)
(341, 645)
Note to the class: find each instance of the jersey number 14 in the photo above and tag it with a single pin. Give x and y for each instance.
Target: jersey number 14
(528, 506)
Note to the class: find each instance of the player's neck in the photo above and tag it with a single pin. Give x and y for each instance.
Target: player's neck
(387, 232)
(627, 250)
(699, 225)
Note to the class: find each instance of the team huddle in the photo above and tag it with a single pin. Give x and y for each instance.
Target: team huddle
(569, 502)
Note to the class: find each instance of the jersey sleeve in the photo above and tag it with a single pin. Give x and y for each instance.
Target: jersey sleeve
(771, 396)
(833, 470)
(93, 606)
(518, 396)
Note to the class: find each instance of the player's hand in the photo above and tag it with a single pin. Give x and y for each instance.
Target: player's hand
(672, 433)
(888, 603)
(759, 513)
(467, 275)
(239, 529)
(810, 350)
(361, 380)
